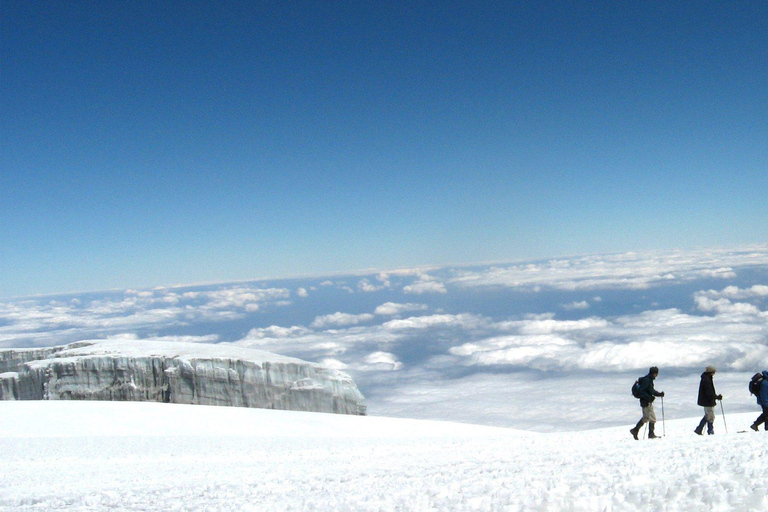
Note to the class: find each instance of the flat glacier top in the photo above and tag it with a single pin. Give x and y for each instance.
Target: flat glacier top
(129, 347)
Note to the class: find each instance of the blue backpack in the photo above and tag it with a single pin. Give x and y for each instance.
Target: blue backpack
(636, 389)
(755, 383)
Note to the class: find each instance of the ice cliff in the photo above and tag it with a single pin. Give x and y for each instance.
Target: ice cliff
(184, 373)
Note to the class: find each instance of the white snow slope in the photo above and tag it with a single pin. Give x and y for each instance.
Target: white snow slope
(151, 456)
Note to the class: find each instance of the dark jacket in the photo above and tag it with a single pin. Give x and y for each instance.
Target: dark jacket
(646, 392)
(762, 396)
(707, 393)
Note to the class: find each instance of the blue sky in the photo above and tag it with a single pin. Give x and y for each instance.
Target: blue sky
(153, 143)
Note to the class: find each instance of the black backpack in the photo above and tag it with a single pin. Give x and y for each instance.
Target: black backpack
(754, 384)
(636, 389)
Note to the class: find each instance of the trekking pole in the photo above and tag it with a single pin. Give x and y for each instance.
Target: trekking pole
(723, 411)
(664, 422)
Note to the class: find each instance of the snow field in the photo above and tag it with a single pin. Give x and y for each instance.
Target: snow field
(146, 456)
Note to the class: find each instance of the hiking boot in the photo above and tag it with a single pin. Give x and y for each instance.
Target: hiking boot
(698, 431)
(754, 427)
(651, 431)
(634, 433)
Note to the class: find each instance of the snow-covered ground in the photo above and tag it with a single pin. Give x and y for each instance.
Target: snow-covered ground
(149, 456)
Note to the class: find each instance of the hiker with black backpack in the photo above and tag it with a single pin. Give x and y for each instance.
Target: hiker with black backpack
(758, 386)
(647, 394)
(708, 398)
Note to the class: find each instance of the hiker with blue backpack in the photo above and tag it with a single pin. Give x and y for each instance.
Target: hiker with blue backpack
(643, 389)
(759, 388)
(708, 398)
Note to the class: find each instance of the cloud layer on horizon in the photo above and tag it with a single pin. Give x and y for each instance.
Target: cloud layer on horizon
(400, 332)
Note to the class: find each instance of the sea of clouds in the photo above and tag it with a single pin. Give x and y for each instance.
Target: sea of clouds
(544, 345)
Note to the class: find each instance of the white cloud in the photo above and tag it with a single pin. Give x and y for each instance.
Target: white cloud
(366, 286)
(724, 306)
(550, 325)
(41, 322)
(425, 284)
(736, 338)
(634, 271)
(275, 331)
(238, 297)
(170, 298)
(333, 364)
(420, 271)
(387, 360)
(576, 305)
(425, 287)
(140, 293)
(541, 352)
(464, 321)
(348, 345)
(722, 301)
(394, 309)
(722, 273)
(302, 292)
(43, 319)
(339, 319)
(735, 293)
(341, 285)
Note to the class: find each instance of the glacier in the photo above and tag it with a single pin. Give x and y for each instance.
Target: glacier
(176, 372)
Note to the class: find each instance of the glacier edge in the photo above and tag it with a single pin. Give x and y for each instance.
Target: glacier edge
(171, 372)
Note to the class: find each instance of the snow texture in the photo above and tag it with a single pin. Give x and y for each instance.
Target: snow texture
(172, 372)
(150, 456)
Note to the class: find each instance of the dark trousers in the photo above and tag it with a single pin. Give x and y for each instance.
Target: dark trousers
(763, 418)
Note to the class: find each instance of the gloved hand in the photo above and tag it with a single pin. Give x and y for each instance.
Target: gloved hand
(662, 394)
(719, 397)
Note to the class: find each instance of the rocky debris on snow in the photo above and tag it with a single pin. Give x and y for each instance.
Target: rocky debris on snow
(184, 373)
